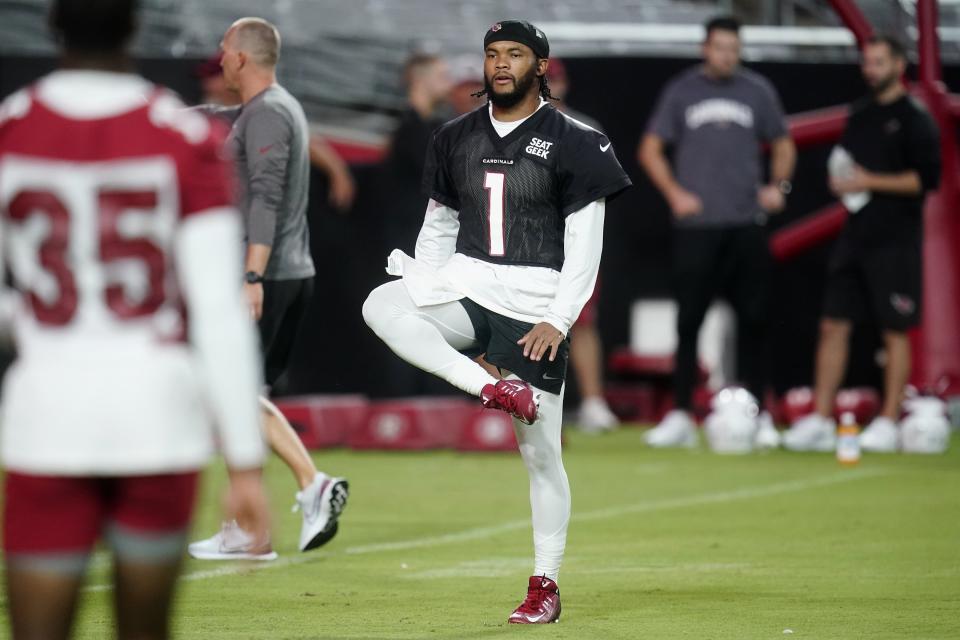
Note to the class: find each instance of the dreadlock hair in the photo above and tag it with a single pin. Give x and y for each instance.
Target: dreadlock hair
(544, 89)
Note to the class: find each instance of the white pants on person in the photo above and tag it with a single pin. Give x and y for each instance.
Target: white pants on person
(430, 338)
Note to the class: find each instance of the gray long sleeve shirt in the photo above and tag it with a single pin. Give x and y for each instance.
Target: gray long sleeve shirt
(270, 142)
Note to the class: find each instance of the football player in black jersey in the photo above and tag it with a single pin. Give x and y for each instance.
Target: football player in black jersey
(507, 256)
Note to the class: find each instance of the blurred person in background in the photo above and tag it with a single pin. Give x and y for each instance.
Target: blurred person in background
(716, 116)
(117, 217)
(213, 86)
(427, 80)
(466, 76)
(428, 84)
(586, 349)
(507, 256)
(269, 142)
(559, 87)
(342, 188)
(876, 269)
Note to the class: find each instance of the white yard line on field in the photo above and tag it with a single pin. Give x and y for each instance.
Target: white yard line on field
(480, 533)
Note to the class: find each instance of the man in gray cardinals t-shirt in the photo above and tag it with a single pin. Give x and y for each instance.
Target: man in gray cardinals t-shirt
(717, 117)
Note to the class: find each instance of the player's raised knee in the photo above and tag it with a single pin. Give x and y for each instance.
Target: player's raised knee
(375, 309)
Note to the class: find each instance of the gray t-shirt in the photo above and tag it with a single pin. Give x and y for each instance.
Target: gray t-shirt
(716, 128)
(270, 141)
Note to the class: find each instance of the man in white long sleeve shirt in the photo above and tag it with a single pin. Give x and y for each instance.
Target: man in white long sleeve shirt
(117, 222)
(507, 257)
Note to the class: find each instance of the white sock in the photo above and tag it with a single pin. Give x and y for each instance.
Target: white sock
(549, 487)
(427, 337)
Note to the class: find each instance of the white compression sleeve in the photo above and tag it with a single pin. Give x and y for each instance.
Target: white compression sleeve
(549, 487)
(221, 332)
(427, 337)
(437, 241)
(582, 247)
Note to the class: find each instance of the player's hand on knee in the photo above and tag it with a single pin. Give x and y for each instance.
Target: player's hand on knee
(247, 504)
(254, 293)
(542, 338)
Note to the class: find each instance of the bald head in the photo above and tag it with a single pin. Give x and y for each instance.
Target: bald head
(257, 38)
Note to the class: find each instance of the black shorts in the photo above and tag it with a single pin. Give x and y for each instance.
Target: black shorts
(498, 337)
(883, 283)
(285, 304)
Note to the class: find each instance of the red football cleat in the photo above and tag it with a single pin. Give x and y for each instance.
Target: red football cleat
(513, 396)
(542, 605)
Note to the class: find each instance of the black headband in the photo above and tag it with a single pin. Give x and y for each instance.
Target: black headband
(519, 31)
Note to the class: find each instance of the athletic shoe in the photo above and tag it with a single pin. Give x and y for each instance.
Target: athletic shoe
(812, 432)
(321, 503)
(542, 605)
(675, 430)
(595, 416)
(513, 396)
(767, 435)
(230, 543)
(880, 436)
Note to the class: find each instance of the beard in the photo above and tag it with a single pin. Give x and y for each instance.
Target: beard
(521, 88)
(881, 85)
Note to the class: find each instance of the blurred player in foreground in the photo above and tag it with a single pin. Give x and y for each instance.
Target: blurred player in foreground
(269, 140)
(507, 257)
(116, 219)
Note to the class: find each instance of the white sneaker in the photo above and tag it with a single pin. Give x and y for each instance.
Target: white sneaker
(595, 416)
(767, 435)
(321, 503)
(675, 430)
(880, 436)
(812, 432)
(230, 543)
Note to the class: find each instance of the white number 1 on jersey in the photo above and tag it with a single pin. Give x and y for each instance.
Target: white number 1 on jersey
(494, 182)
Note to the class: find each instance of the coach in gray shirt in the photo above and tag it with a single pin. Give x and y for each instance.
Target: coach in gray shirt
(716, 118)
(269, 139)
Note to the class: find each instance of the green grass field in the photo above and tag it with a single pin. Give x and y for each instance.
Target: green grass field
(663, 544)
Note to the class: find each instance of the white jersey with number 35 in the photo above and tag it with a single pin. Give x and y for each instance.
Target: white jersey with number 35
(117, 228)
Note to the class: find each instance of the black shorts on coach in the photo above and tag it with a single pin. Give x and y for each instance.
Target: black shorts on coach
(882, 282)
(498, 337)
(285, 304)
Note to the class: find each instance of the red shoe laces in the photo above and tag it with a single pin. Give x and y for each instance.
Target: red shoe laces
(535, 598)
(506, 395)
(533, 601)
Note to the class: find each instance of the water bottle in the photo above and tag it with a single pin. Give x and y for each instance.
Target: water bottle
(848, 440)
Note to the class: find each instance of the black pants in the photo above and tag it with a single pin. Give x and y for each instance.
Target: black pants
(285, 304)
(733, 263)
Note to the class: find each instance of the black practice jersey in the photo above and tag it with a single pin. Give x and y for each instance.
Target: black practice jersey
(514, 193)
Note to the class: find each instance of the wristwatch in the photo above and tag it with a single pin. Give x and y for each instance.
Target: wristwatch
(785, 187)
(252, 277)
